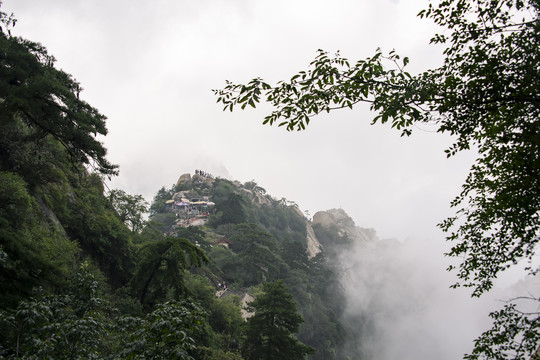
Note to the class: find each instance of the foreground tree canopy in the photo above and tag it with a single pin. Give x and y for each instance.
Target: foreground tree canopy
(270, 333)
(486, 94)
(42, 101)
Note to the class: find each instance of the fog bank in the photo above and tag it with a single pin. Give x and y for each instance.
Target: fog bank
(399, 296)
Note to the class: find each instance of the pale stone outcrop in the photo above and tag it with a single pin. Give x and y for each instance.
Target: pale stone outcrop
(344, 224)
(256, 197)
(246, 299)
(313, 244)
(184, 179)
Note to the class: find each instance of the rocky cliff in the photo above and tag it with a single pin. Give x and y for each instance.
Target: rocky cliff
(338, 220)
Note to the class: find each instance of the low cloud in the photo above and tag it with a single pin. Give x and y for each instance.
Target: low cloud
(399, 299)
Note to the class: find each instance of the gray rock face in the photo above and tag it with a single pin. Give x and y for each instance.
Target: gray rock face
(313, 244)
(344, 224)
(184, 179)
(255, 196)
(51, 216)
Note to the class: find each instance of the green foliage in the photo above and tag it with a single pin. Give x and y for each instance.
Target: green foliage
(160, 272)
(163, 269)
(320, 299)
(226, 265)
(253, 256)
(34, 253)
(150, 232)
(224, 313)
(514, 334)
(230, 210)
(270, 331)
(257, 254)
(492, 103)
(37, 161)
(253, 186)
(212, 354)
(313, 284)
(58, 326)
(162, 221)
(46, 102)
(331, 84)
(168, 332)
(194, 234)
(80, 325)
(227, 320)
(294, 254)
(48, 137)
(282, 221)
(88, 216)
(222, 189)
(158, 204)
(16, 202)
(331, 239)
(130, 208)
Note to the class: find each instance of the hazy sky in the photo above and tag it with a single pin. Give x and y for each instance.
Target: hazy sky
(149, 66)
(403, 290)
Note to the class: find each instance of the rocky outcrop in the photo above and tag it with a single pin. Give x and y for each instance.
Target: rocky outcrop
(244, 297)
(184, 179)
(188, 179)
(256, 197)
(313, 244)
(245, 300)
(345, 225)
(51, 216)
(200, 179)
(335, 219)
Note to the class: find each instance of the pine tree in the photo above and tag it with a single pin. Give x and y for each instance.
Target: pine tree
(270, 332)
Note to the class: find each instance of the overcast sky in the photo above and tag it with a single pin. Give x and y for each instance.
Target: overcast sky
(149, 66)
